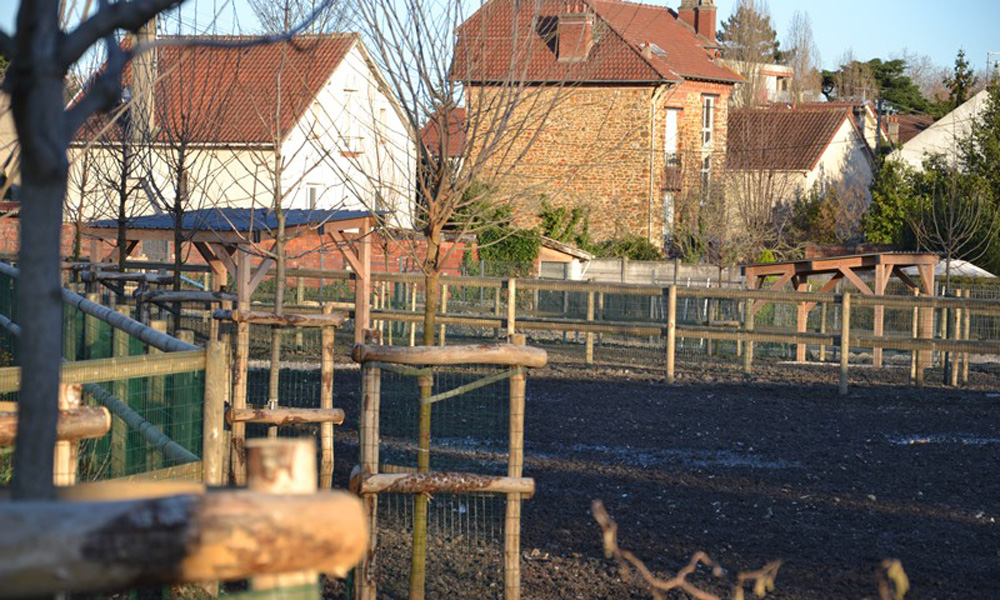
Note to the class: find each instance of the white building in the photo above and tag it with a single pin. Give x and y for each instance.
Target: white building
(312, 119)
(944, 135)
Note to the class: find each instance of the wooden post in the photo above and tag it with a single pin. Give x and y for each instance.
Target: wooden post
(915, 327)
(157, 402)
(216, 395)
(748, 325)
(365, 578)
(801, 318)
(881, 280)
(91, 329)
(590, 335)
(845, 340)
(326, 401)
(282, 466)
(497, 294)
(966, 326)
(600, 311)
(66, 453)
(362, 285)
(238, 452)
(822, 329)
(119, 430)
(418, 564)
(413, 309)
(511, 306)
(515, 468)
(671, 331)
(444, 310)
(183, 412)
(956, 334)
(300, 298)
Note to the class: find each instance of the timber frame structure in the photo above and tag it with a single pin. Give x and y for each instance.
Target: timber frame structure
(847, 268)
(225, 238)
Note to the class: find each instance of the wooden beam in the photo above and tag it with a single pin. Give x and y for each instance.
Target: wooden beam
(285, 416)
(898, 272)
(345, 248)
(225, 254)
(829, 285)
(497, 354)
(856, 281)
(258, 276)
(138, 277)
(214, 262)
(184, 296)
(333, 319)
(439, 482)
(782, 280)
(81, 423)
(109, 546)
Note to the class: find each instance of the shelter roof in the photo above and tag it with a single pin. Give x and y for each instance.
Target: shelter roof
(234, 219)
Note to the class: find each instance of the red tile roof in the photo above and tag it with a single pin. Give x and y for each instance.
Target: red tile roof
(486, 49)
(779, 139)
(454, 130)
(911, 125)
(250, 95)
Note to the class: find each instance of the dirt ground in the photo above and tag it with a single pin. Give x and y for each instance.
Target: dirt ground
(776, 466)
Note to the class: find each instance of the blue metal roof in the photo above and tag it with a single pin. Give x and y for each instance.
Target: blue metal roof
(235, 219)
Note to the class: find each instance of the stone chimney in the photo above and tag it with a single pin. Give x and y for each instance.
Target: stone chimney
(574, 34)
(893, 129)
(700, 15)
(144, 69)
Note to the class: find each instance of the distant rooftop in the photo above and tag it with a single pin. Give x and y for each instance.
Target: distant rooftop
(235, 219)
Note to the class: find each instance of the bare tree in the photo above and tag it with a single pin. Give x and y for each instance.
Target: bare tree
(748, 45)
(925, 74)
(804, 57)
(854, 81)
(279, 16)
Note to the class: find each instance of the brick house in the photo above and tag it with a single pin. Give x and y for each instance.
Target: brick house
(636, 127)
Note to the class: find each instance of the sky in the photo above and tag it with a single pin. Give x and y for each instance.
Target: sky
(871, 28)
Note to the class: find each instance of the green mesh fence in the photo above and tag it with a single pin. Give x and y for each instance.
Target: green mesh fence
(469, 432)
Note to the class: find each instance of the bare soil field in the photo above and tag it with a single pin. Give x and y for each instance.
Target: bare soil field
(774, 466)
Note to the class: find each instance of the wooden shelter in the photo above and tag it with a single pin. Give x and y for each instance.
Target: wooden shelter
(883, 266)
(226, 238)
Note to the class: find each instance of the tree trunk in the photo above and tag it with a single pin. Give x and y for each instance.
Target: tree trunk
(180, 201)
(36, 89)
(432, 291)
(279, 293)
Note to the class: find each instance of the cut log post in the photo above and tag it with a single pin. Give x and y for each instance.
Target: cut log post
(109, 546)
(444, 311)
(300, 297)
(365, 579)
(157, 402)
(237, 450)
(64, 467)
(954, 365)
(285, 466)
(74, 424)
(326, 404)
(280, 417)
(915, 333)
(184, 296)
(671, 331)
(966, 326)
(515, 469)
(334, 319)
(590, 335)
(119, 429)
(216, 396)
(492, 354)
(511, 306)
(845, 340)
(439, 482)
(748, 326)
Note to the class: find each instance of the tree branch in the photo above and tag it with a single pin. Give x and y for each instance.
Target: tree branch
(121, 15)
(105, 91)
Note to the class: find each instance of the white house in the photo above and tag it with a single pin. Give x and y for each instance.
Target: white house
(779, 154)
(943, 136)
(311, 119)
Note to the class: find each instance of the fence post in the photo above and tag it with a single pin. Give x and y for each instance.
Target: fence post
(119, 430)
(216, 394)
(590, 334)
(67, 452)
(300, 297)
(497, 293)
(157, 401)
(748, 325)
(444, 311)
(326, 401)
(671, 331)
(845, 340)
(365, 587)
(91, 329)
(914, 329)
(822, 329)
(956, 335)
(966, 326)
(413, 309)
(511, 305)
(515, 468)
(283, 466)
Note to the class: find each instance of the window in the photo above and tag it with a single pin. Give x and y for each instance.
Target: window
(707, 119)
(312, 195)
(706, 180)
(670, 138)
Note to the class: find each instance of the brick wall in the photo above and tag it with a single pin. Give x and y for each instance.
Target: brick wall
(594, 150)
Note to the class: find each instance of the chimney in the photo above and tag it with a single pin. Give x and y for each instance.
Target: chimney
(143, 79)
(893, 129)
(574, 34)
(700, 15)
